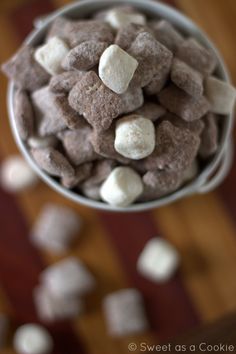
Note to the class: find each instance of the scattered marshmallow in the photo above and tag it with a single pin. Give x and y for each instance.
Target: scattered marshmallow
(118, 18)
(68, 277)
(55, 228)
(16, 175)
(116, 68)
(51, 308)
(122, 187)
(32, 339)
(158, 260)
(51, 54)
(124, 313)
(135, 137)
(220, 94)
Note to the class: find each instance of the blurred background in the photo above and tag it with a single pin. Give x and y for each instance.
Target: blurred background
(199, 302)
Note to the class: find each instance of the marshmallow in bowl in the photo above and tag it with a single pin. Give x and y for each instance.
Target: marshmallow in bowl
(16, 175)
(134, 137)
(51, 54)
(220, 94)
(32, 339)
(116, 68)
(118, 18)
(122, 187)
(158, 260)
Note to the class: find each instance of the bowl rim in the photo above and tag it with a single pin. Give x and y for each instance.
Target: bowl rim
(181, 21)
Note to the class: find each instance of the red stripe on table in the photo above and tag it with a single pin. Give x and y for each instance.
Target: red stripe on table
(169, 308)
(20, 266)
(22, 17)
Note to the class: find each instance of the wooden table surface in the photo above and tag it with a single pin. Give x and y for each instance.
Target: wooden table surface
(201, 227)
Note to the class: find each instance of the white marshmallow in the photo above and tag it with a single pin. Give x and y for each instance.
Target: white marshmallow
(51, 308)
(158, 260)
(118, 18)
(124, 313)
(116, 68)
(68, 277)
(37, 142)
(51, 54)
(121, 187)
(134, 137)
(16, 175)
(220, 94)
(32, 339)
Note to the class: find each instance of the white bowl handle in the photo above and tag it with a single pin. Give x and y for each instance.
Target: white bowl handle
(222, 170)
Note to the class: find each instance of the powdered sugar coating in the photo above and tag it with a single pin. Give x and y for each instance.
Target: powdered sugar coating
(183, 105)
(98, 104)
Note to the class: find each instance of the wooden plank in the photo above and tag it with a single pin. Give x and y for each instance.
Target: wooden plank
(205, 236)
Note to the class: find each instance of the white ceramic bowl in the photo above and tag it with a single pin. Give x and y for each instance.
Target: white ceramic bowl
(210, 176)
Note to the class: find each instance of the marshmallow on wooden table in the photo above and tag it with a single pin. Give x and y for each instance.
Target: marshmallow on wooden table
(56, 228)
(51, 308)
(51, 54)
(158, 260)
(16, 175)
(116, 68)
(118, 18)
(68, 277)
(32, 339)
(121, 187)
(220, 94)
(135, 137)
(124, 313)
(3, 329)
